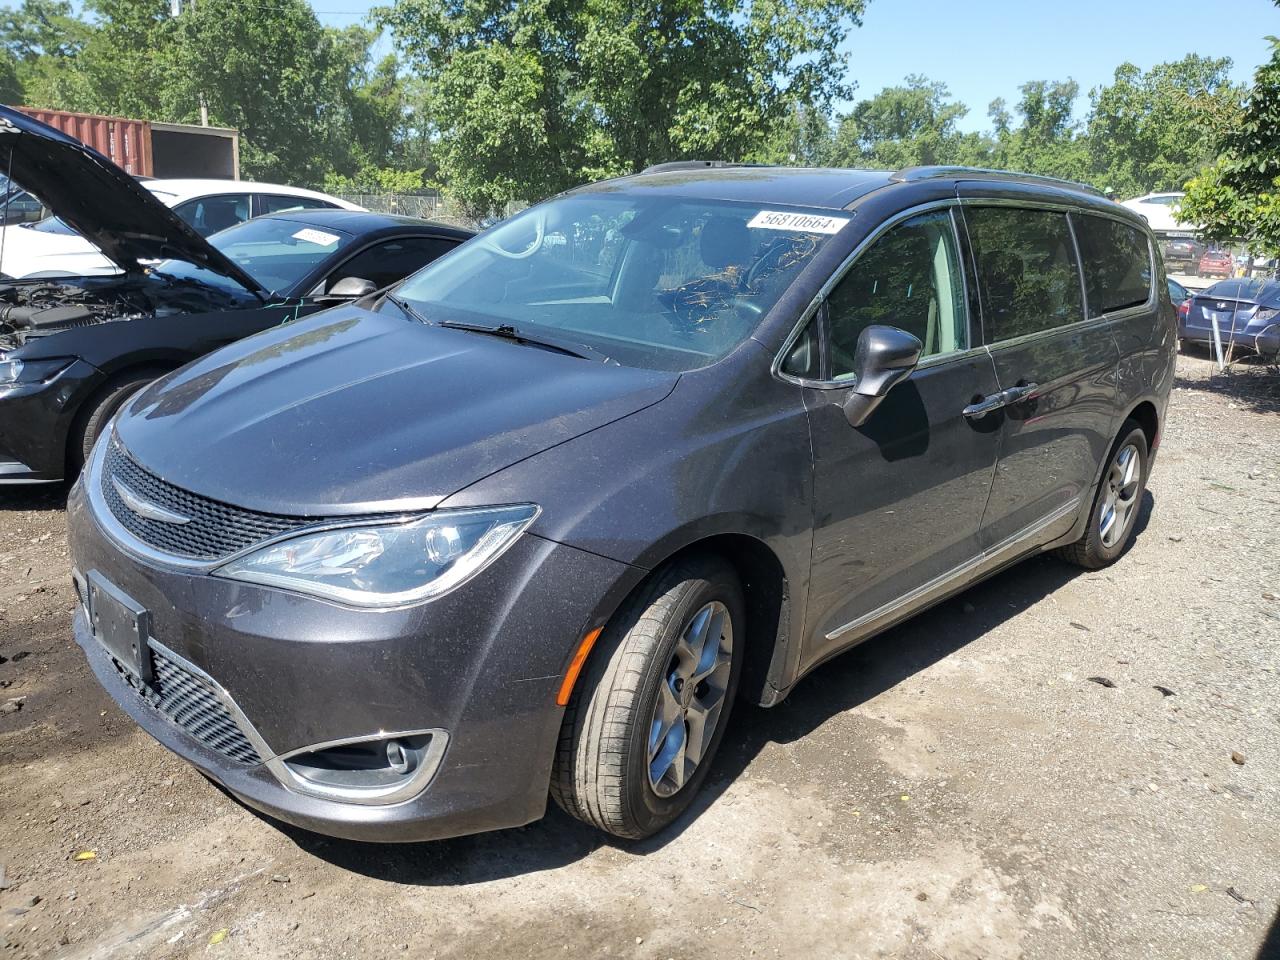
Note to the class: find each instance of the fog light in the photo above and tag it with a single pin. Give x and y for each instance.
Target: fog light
(397, 757)
(384, 768)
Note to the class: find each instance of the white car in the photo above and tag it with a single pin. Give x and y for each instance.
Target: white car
(1160, 210)
(50, 246)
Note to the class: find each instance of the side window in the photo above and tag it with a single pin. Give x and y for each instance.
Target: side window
(910, 278)
(1027, 270)
(392, 260)
(1117, 263)
(274, 203)
(211, 214)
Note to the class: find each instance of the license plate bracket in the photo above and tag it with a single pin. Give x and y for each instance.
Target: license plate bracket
(121, 625)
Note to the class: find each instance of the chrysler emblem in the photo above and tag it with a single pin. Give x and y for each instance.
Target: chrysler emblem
(145, 508)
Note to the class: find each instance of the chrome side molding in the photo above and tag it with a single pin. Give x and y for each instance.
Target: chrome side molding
(942, 582)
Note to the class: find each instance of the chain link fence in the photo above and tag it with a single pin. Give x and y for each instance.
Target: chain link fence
(429, 205)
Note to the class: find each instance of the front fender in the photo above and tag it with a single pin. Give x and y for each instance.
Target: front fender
(726, 453)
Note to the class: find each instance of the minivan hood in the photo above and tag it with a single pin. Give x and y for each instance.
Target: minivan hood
(100, 201)
(353, 411)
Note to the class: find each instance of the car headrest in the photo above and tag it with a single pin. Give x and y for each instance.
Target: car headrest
(725, 241)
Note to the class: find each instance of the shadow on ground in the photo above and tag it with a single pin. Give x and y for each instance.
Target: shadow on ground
(838, 686)
(1249, 382)
(44, 496)
(1271, 945)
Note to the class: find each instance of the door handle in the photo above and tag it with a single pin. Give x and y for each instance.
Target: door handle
(1020, 392)
(980, 408)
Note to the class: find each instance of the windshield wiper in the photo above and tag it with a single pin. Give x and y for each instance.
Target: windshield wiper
(508, 332)
(406, 308)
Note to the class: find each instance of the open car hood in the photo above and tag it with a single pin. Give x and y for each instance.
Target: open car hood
(103, 203)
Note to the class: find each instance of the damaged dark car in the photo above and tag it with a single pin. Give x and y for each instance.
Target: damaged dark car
(73, 349)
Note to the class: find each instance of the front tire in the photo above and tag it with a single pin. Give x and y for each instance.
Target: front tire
(1117, 504)
(98, 410)
(645, 721)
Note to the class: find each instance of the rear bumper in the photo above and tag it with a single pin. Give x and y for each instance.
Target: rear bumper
(482, 664)
(1265, 341)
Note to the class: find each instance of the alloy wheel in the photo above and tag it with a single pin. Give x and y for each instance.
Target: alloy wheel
(691, 699)
(1120, 496)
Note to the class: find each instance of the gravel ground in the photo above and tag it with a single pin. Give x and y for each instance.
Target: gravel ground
(957, 788)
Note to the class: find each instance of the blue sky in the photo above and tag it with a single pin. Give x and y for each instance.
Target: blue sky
(983, 49)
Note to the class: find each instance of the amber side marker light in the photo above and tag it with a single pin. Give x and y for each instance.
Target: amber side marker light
(575, 667)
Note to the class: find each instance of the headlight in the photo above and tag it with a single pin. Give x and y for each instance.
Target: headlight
(31, 371)
(1267, 315)
(388, 564)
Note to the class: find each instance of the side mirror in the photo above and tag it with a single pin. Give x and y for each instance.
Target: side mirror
(350, 288)
(884, 357)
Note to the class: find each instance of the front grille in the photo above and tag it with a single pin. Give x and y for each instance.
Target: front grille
(215, 530)
(191, 702)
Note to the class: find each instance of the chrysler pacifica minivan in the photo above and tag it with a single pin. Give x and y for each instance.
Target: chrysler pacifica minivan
(528, 524)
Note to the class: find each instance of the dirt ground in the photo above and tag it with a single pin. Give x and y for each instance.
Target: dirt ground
(960, 787)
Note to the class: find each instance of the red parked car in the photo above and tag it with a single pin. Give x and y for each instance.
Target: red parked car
(1215, 263)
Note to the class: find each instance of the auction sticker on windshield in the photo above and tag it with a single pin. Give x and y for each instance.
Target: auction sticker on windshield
(803, 222)
(318, 237)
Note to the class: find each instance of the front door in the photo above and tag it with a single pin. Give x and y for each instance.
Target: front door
(898, 502)
(1063, 369)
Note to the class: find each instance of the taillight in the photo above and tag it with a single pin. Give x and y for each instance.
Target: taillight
(1184, 309)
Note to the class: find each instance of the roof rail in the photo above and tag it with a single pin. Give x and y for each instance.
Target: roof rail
(693, 165)
(910, 174)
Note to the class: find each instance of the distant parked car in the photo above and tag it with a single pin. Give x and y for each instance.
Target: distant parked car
(1182, 254)
(1247, 312)
(1215, 263)
(53, 247)
(1180, 296)
(74, 349)
(1160, 210)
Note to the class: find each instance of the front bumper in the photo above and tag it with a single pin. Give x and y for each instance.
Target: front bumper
(482, 663)
(36, 420)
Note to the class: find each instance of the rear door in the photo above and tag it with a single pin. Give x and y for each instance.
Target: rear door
(1055, 364)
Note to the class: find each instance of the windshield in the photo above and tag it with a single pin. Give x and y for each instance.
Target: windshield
(52, 225)
(658, 282)
(276, 252)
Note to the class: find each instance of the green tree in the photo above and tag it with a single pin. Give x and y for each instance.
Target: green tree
(40, 38)
(1046, 139)
(271, 71)
(907, 125)
(306, 100)
(528, 97)
(803, 137)
(1155, 130)
(1239, 195)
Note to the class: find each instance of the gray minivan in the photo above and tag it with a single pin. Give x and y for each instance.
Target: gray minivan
(526, 525)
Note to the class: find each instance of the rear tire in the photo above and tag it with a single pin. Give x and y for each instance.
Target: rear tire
(626, 758)
(98, 410)
(1117, 503)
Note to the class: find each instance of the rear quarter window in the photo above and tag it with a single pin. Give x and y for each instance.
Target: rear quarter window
(1117, 263)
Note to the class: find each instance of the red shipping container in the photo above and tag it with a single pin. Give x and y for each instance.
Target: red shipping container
(126, 142)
